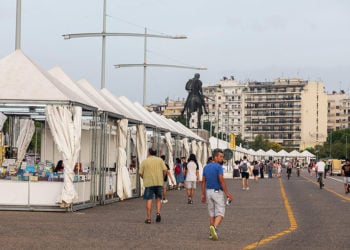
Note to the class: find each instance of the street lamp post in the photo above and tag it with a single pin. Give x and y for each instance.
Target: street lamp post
(217, 112)
(346, 147)
(104, 34)
(330, 146)
(18, 25)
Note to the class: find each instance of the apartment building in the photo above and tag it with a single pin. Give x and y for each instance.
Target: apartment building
(224, 104)
(291, 112)
(338, 111)
(170, 109)
(173, 108)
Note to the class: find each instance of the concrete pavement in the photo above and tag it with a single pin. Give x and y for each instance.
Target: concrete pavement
(253, 215)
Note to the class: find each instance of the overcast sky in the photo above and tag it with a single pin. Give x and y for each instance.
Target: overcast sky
(249, 39)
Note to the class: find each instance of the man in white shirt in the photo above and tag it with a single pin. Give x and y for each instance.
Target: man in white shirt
(320, 167)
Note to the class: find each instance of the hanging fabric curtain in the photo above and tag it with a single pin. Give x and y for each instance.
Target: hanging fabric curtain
(141, 143)
(2, 120)
(186, 147)
(199, 159)
(205, 154)
(170, 156)
(209, 150)
(193, 146)
(65, 126)
(26, 133)
(123, 181)
(141, 147)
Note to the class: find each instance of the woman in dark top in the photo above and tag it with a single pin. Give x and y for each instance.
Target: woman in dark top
(59, 167)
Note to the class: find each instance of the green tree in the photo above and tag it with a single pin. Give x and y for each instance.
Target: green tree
(274, 146)
(239, 140)
(336, 145)
(259, 143)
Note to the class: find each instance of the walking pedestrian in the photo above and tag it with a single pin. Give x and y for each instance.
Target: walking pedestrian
(256, 170)
(152, 171)
(269, 168)
(192, 177)
(179, 175)
(279, 169)
(244, 166)
(166, 180)
(214, 191)
(236, 170)
(262, 166)
(345, 171)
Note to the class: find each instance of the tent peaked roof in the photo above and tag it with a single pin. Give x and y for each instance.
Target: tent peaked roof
(146, 119)
(307, 154)
(282, 152)
(260, 152)
(93, 93)
(270, 152)
(59, 74)
(113, 100)
(294, 153)
(22, 79)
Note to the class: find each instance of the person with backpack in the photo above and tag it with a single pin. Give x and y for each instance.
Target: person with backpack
(179, 176)
(244, 166)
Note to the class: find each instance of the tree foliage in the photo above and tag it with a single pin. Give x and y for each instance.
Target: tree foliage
(336, 147)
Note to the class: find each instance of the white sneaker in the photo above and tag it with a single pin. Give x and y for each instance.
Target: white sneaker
(243, 188)
(164, 201)
(247, 188)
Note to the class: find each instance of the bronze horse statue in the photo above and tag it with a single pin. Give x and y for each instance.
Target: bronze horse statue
(195, 100)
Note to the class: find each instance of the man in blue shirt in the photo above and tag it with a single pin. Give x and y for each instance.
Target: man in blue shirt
(214, 191)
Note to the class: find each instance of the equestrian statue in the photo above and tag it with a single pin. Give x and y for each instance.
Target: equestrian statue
(195, 100)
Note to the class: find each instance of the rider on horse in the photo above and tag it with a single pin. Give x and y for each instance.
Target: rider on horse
(194, 88)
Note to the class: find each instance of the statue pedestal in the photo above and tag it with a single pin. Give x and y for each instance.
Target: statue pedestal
(201, 133)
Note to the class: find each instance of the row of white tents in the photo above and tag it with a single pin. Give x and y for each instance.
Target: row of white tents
(83, 124)
(260, 154)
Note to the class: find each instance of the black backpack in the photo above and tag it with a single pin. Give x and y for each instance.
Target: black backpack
(244, 167)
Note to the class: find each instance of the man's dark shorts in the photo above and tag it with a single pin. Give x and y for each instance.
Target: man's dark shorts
(150, 192)
(245, 175)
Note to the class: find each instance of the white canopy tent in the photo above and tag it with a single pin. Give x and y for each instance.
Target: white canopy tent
(271, 153)
(25, 81)
(29, 90)
(261, 153)
(117, 104)
(63, 78)
(282, 153)
(294, 154)
(308, 156)
(95, 95)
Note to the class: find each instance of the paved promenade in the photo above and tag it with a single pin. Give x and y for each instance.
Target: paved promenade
(253, 215)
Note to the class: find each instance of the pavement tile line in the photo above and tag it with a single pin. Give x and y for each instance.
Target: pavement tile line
(292, 221)
(328, 189)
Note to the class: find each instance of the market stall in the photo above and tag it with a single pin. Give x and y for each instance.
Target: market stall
(36, 103)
